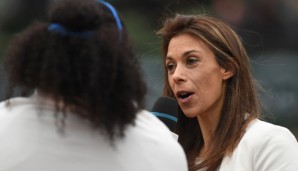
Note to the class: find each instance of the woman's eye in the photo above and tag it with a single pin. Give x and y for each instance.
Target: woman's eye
(191, 60)
(170, 66)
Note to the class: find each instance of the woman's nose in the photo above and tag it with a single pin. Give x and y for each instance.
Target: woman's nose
(179, 74)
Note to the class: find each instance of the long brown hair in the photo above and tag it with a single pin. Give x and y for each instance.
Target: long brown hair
(240, 104)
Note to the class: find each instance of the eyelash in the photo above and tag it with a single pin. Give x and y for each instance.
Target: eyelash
(170, 66)
(189, 61)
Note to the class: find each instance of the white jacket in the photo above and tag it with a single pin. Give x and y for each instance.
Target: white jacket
(264, 147)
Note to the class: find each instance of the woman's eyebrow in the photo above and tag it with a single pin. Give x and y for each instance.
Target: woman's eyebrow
(184, 54)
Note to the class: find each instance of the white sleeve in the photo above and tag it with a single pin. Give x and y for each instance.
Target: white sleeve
(176, 136)
(277, 152)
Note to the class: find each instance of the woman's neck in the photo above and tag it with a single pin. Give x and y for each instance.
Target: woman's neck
(208, 124)
(209, 120)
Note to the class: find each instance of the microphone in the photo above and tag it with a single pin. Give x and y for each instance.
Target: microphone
(166, 110)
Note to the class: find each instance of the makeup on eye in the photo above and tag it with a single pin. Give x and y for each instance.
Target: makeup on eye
(191, 60)
(170, 66)
(188, 61)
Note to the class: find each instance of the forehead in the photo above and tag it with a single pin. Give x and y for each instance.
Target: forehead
(182, 43)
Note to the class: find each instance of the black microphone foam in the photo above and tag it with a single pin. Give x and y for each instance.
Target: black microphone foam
(166, 109)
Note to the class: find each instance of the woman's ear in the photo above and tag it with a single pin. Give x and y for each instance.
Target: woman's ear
(230, 68)
(227, 74)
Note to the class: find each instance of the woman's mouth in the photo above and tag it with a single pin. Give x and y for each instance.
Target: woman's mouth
(183, 96)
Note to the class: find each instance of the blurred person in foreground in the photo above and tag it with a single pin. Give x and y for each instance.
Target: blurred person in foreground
(86, 112)
(208, 71)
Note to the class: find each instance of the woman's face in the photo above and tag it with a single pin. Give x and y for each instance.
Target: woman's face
(194, 76)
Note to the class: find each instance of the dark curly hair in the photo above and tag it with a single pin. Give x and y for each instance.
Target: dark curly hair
(98, 77)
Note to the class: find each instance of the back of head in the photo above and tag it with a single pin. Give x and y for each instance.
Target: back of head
(83, 58)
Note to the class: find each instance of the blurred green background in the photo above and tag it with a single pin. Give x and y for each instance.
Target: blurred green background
(268, 29)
